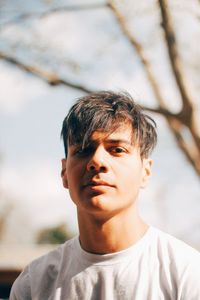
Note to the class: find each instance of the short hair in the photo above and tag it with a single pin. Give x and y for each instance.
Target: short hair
(107, 110)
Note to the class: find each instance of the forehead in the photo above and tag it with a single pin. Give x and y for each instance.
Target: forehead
(122, 133)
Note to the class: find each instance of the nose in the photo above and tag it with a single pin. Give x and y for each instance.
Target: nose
(98, 160)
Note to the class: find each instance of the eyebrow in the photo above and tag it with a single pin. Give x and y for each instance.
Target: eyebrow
(118, 141)
(107, 141)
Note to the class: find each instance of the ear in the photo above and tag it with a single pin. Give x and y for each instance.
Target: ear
(147, 164)
(64, 173)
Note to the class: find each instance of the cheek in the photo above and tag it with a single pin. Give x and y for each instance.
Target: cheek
(74, 176)
(132, 177)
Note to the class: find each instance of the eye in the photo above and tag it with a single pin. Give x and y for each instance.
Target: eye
(82, 151)
(118, 150)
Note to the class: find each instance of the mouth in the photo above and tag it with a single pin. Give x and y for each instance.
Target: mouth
(94, 183)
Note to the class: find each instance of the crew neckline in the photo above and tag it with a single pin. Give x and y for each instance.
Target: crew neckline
(111, 258)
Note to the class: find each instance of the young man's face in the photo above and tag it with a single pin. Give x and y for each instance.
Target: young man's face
(104, 178)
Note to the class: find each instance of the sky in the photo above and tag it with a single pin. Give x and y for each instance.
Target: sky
(31, 115)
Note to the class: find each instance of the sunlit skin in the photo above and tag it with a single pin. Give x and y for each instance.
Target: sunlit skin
(104, 180)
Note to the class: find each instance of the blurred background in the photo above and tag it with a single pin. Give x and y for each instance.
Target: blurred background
(52, 52)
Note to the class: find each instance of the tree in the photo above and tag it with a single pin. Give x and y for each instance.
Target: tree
(184, 122)
(55, 235)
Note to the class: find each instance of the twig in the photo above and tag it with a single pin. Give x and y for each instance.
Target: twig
(140, 51)
(175, 60)
(50, 77)
(187, 113)
(47, 12)
(159, 110)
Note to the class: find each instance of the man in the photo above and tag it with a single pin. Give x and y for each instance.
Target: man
(108, 141)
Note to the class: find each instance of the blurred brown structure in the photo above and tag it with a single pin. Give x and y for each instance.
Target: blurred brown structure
(7, 277)
(13, 259)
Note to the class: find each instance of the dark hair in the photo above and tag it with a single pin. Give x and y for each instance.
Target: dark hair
(107, 110)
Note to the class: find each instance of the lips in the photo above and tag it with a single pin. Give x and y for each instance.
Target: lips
(93, 183)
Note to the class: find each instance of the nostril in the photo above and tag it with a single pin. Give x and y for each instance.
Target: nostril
(92, 168)
(102, 169)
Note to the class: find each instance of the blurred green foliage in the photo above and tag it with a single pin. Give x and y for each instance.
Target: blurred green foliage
(54, 235)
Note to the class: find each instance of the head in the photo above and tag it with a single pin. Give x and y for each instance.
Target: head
(108, 140)
(107, 111)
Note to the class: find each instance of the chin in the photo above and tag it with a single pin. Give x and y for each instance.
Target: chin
(101, 204)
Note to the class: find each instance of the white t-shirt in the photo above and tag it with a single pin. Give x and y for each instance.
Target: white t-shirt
(157, 267)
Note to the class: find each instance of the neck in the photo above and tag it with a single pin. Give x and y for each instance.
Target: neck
(111, 235)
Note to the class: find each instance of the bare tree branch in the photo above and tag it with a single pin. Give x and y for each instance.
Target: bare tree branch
(140, 51)
(50, 77)
(54, 10)
(175, 60)
(188, 110)
(54, 80)
(76, 7)
(186, 116)
(188, 148)
(159, 110)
